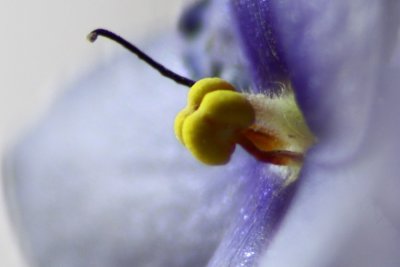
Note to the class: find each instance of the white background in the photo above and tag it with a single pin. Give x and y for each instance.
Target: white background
(42, 46)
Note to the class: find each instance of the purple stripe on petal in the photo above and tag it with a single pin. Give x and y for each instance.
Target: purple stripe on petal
(255, 24)
(263, 208)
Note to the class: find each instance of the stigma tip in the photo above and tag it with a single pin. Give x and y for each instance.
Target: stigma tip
(92, 36)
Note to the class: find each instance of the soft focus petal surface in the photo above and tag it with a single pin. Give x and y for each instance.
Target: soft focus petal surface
(102, 181)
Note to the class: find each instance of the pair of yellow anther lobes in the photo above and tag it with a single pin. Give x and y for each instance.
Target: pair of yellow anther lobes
(213, 120)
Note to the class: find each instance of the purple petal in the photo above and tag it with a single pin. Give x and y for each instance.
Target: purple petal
(334, 52)
(343, 58)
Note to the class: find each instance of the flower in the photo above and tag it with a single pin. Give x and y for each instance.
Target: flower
(96, 184)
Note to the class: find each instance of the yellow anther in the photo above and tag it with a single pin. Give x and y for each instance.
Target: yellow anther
(195, 96)
(217, 118)
(213, 121)
(179, 120)
(205, 86)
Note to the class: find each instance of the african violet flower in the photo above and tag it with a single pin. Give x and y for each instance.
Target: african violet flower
(100, 183)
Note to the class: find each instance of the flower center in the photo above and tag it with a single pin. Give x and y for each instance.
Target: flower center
(217, 117)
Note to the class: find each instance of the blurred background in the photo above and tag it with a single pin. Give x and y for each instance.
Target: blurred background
(43, 46)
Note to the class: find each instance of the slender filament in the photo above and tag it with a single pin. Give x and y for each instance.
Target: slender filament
(160, 68)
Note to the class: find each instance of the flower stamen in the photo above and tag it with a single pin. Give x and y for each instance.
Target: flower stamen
(217, 118)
